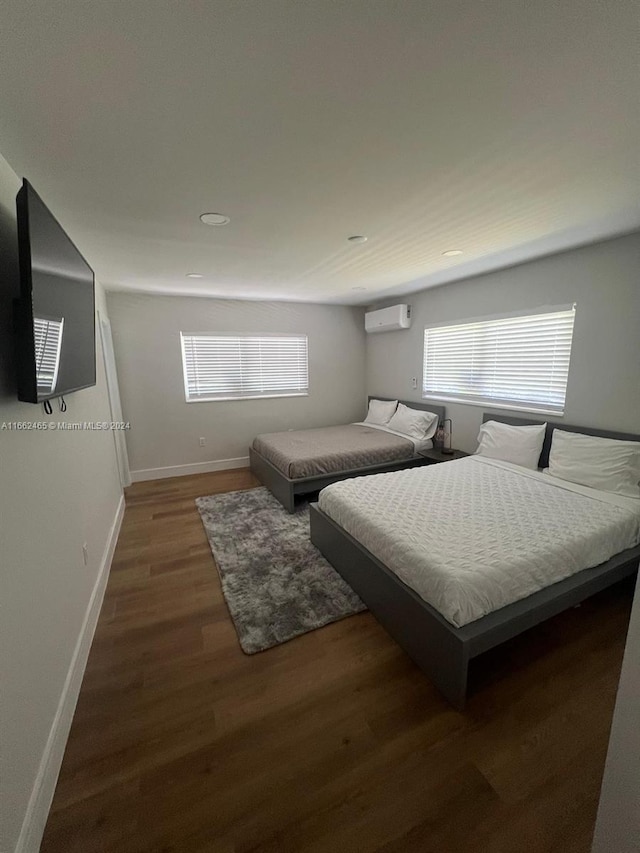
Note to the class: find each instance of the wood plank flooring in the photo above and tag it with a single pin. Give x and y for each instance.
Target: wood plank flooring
(333, 742)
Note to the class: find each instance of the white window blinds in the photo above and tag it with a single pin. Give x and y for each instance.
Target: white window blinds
(47, 334)
(223, 367)
(517, 362)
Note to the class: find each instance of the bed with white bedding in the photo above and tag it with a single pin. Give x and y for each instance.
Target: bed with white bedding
(296, 462)
(455, 558)
(476, 534)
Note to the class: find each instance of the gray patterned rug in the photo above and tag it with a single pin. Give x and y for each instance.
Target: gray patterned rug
(276, 584)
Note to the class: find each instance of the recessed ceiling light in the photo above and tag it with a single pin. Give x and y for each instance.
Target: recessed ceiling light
(218, 219)
(358, 288)
(357, 238)
(451, 253)
(194, 275)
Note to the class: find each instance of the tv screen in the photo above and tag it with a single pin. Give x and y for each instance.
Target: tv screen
(56, 311)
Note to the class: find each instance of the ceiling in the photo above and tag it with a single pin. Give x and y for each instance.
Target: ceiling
(506, 128)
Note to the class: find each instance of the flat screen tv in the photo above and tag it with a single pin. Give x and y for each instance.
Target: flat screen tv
(55, 315)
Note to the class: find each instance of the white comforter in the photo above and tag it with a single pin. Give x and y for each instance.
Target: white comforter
(473, 535)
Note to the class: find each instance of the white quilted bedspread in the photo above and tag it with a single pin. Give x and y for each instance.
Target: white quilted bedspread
(473, 535)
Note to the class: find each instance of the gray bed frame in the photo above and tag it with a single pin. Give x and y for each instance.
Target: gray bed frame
(285, 489)
(440, 649)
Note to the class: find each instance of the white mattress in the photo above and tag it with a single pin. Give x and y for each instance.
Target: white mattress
(473, 535)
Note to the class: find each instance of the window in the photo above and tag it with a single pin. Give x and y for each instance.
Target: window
(227, 367)
(47, 333)
(519, 362)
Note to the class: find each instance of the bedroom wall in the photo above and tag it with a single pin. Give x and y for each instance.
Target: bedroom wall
(604, 376)
(57, 491)
(618, 823)
(165, 430)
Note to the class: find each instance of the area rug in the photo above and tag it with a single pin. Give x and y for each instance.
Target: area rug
(276, 584)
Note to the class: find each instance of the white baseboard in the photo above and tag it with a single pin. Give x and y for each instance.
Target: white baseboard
(44, 787)
(193, 468)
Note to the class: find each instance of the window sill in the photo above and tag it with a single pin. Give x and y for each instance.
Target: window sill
(252, 397)
(508, 407)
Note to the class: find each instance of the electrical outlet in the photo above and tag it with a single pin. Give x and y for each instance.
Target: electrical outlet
(85, 554)
(202, 441)
(414, 382)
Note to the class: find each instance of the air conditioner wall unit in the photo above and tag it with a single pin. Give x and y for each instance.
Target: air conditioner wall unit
(388, 319)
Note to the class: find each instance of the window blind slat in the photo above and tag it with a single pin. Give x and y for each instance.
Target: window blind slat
(520, 360)
(235, 366)
(47, 333)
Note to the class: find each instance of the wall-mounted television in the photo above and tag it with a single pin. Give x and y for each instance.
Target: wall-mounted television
(55, 315)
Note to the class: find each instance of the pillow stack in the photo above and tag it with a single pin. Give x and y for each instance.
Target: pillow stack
(413, 422)
(520, 445)
(608, 464)
(400, 418)
(601, 463)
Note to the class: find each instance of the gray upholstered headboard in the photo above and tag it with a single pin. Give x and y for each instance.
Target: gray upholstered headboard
(544, 456)
(424, 407)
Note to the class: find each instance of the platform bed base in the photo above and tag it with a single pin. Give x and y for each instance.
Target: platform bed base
(285, 489)
(440, 649)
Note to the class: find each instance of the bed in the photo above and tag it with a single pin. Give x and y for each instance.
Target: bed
(299, 462)
(464, 618)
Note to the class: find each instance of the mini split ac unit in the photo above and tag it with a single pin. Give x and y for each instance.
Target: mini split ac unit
(388, 319)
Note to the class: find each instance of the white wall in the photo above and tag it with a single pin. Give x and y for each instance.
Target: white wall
(165, 430)
(618, 823)
(604, 377)
(57, 491)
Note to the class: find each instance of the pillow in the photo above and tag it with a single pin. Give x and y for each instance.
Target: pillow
(413, 422)
(521, 445)
(602, 463)
(380, 411)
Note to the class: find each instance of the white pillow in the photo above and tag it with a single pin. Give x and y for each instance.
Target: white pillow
(413, 422)
(602, 463)
(380, 411)
(521, 445)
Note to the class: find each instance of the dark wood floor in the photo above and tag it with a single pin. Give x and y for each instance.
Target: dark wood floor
(332, 742)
